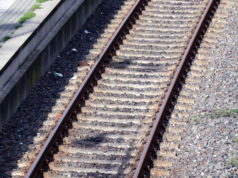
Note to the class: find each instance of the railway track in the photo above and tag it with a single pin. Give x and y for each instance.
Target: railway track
(108, 129)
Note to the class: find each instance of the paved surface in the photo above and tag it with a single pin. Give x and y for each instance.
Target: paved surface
(10, 12)
(4, 5)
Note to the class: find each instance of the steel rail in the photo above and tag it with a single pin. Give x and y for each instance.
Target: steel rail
(173, 91)
(55, 138)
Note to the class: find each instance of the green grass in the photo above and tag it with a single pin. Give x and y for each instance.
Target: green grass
(5, 38)
(228, 113)
(26, 16)
(41, 1)
(234, 162)
(236, 140)
(18, 26)
(197, 120)
(35, 6)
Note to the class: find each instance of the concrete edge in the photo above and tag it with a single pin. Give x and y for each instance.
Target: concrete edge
(38, 60)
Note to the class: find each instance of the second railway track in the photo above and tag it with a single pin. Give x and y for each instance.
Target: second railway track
(106, 130)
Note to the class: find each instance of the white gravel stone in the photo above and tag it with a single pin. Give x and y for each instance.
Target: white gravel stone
(210, 145)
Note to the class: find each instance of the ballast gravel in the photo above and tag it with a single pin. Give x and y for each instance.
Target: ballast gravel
(19, 132)
(209, 147)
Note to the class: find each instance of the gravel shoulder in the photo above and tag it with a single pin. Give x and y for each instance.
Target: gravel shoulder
(209, 147)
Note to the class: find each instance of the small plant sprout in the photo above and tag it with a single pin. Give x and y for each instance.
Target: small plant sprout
(236, 140)
(41, 1)
(227, 113)
(18, 26)
(234, 162)
(26, 16)
(5, 38)
(35, 6)
(197, 120)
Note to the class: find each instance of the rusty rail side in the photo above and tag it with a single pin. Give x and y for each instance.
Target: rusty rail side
(173, 90)
(60, 130)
